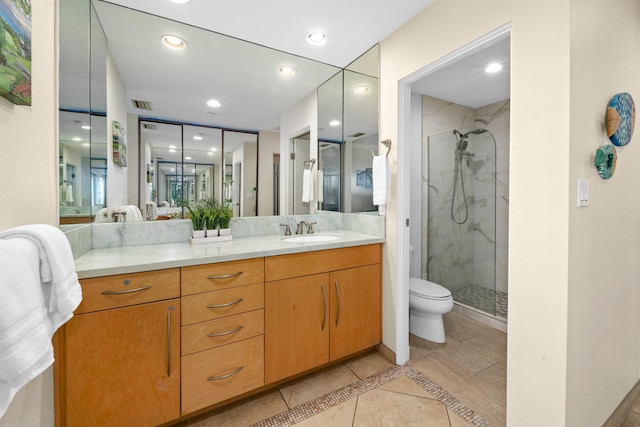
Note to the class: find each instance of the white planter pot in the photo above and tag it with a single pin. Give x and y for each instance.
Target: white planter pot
(198, 234)
(225, 232)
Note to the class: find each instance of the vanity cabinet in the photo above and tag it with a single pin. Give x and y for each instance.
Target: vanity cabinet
(118, 358)
(319, 307)
(222, 331)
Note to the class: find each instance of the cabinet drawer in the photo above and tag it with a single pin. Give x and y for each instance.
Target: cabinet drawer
(212, 376)
(213, 277)
(107, 292)
(227, 330)
(216, 304)
(306, 263)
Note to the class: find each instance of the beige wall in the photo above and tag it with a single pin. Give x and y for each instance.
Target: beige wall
(29, 171)
(574, 319)
(539, 182)
(268, 146)
(604, 272)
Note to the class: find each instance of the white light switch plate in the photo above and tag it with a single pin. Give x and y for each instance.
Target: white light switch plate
(583, 192)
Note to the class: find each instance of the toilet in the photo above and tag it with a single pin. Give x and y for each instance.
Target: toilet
(428, 301)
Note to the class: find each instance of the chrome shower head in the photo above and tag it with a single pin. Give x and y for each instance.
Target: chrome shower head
(474, 132)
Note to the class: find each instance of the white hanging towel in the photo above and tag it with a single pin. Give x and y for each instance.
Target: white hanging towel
(380, 180)
(40, 291)
(306, 186)
(69, 193)
(320, 186)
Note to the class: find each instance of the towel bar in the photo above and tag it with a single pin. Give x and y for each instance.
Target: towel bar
(309, 163)
(386, 143)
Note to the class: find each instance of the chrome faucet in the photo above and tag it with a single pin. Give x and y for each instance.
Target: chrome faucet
(300, 230)
(310, 225)
(287, 231)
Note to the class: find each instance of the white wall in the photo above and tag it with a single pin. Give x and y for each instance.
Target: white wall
(604, 238)
(135, 174)
(31, 133)
(537, 362)
(268, 145)
(116, 110)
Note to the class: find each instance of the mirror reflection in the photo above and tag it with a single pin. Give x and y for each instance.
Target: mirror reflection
(111, 52)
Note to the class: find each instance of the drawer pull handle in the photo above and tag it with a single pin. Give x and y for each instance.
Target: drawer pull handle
(338, 293)
(126, 291)
(222, 334)
(227, 304)
(226, 276)
(230, 374)
(324, 308)
(169, 340)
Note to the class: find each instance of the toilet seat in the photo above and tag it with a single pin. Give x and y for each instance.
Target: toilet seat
(425, 289)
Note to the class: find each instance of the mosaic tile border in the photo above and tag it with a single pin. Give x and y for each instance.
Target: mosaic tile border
(329, 400)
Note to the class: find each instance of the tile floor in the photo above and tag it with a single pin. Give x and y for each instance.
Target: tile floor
(460, 383)
(632, 419)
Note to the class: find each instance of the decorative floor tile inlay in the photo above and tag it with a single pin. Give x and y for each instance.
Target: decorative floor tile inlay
(484, 299)
(329, 400)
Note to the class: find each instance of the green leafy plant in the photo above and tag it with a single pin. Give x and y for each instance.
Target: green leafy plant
(225, 213)
(198, 214)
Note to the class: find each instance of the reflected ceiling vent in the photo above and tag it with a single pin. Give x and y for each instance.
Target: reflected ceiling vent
(149, 126)
(141, 105)
(357, 135)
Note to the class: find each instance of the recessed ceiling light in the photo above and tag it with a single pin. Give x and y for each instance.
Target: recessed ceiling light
(316, 38)
(181, 1)
(172, 146)
(198, 137)
(287, 70)
(494, 67)
(214, 149)
(360, 89)
(173, 170)
(86, 127)
(213, 103)
(334, 123)
(173, 42)
(76, 138)
(86, 144)
(187, 158)
(210, 153)
(172, 150)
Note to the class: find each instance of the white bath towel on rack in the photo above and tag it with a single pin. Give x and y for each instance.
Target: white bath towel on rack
(380, 177)
(306, 186)
(40, 291)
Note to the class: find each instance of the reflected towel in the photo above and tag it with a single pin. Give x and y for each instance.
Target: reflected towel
(69, 195)
(380, 180)
(306, 186)
(151, 211)
(320, 187)
(102, 214)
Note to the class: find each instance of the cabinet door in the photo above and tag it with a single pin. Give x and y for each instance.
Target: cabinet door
(356, 301)
(296, 325)
(121, 367)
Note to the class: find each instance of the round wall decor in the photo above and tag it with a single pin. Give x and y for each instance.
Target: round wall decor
(621, 118)
(605, 161)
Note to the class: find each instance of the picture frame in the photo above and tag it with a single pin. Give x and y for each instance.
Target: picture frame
(119, 144)
(15, 51)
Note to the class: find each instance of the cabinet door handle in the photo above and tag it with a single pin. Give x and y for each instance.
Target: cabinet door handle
(226, 276)
(338, 292)
(230, 374)
(222, 334)
(169, 340)
(324, 309)
(126, 291)
(227, 304)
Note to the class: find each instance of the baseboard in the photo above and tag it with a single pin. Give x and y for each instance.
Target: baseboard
(618, 415)
(386, 352)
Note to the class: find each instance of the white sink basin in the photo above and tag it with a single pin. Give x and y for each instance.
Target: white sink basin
(310, 238)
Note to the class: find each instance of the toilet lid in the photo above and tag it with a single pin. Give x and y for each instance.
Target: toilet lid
(426, 289)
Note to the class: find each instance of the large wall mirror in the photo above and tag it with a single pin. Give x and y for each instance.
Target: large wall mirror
(114, 66)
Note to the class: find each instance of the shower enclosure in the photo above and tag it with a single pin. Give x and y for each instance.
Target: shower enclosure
(459, 192)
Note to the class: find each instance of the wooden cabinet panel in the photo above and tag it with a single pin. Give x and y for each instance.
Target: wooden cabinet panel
(306, 263)
(296, 326)
(212, 277)
(213, 305)
(215, 333)
(115, 366)
(206, 378)
(122, 290)
(356, 310)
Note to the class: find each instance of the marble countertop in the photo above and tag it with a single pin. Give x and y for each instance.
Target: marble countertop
(132, 259)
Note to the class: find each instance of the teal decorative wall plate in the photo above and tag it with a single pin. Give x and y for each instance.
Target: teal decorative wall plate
(605, 161)
(621, 118)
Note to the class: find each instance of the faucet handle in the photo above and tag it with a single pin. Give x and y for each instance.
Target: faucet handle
(310, 229)
(287, 231)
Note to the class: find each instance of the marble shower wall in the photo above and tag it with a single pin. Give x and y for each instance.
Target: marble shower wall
(463, 254)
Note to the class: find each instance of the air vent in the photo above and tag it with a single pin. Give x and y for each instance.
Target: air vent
(141, 105)
(149, 126)
(357, 135)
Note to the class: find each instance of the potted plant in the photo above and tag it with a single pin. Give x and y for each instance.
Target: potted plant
(225, 213)
(197, 214)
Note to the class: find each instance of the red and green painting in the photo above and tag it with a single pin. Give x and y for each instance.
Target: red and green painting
(15, 51)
